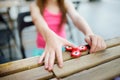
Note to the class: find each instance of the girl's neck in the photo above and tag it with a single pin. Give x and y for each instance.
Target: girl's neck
(52, 6)
(52, 2)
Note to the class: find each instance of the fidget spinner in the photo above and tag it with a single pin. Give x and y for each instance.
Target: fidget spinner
(76, 51)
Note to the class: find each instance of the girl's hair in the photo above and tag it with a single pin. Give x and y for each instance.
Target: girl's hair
(41, 5)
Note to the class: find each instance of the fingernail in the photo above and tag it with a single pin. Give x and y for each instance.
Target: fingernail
(39, 62)
(50, 69)
(46, 67)
(60, 66)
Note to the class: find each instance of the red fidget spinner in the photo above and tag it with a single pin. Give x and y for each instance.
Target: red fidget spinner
(76, 52)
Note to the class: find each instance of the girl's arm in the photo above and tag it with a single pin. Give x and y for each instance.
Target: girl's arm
(39, 22)
(54, 43)
(96, 42)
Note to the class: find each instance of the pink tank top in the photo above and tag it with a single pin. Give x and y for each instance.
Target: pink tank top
(53, 21)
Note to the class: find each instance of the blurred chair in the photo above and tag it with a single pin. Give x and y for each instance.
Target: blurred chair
(21, 25)
(5, 36)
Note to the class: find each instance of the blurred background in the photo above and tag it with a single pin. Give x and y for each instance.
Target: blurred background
(18, 34)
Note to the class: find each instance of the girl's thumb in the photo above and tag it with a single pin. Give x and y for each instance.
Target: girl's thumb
(67, 43)
(88, 40)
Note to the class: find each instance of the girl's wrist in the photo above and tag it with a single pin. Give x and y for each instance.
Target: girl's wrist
(89, 33)
(49, 34)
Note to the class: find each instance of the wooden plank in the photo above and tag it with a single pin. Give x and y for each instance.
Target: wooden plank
(105, 71)
(113, 42)
(19, 65)
(29, 63)
(33, 74)
(85, 62)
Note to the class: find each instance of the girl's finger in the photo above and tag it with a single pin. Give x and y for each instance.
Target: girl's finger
(46, 60)
(41, 58)
(94, 43)
(51, 60)
(88, 40)
(67, 43)
(103, 45)
(98, 46)
(59, 57)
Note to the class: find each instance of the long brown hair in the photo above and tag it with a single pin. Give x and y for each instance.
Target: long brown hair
(41, 5)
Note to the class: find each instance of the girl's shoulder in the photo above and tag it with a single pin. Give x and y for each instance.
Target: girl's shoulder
(33, 5)
(68, 4)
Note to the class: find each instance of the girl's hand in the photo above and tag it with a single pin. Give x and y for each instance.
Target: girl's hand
(96, 43)
(53, 49)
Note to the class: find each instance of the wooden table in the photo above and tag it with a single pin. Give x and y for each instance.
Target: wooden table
(103, 65)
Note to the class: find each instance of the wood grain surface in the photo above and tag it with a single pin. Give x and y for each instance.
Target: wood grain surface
(33, 74)
(105, 71)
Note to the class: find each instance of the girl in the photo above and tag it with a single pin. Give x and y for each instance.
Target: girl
(49, 17)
